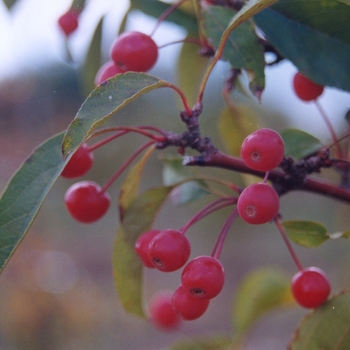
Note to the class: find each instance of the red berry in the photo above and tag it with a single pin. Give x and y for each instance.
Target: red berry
(162, 312)
(134, 51)
(80, 163)
(85, 201)
(258, 203)
(306, 89)
(68, 22)
(108, 70)
(188, 307)
(203, 277)
(311, 287)
(169, 250)
(263, 150)
(141, 247)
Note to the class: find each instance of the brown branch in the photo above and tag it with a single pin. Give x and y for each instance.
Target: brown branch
(282, 182)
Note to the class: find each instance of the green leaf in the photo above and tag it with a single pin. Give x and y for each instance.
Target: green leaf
(174, 172)
(93, 60)
(190, 68)
(262, 290)
(327, 327)
(213, 343)
(314, 35)
(104, 101)
(127, 268)
(299, 144)
(235, 124)
(242, 48)
(308, 234)
(9, 3)
(25, 193)
(130, 187)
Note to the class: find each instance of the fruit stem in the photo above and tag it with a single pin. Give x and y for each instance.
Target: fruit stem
(266, 177)
(186, 40)
(165, 14)
(125, 165)
(283, 233)
(208, 209)
(124, 130)
(223, 234)
(188, 110)
(330, 128)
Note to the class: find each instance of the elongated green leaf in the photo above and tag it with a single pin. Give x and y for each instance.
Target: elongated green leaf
(104, 101)
(130, 187)
(217, 343)
(261, 291)
(327, 327)
(174, 172)
(309, 234)
(314, 35)
(242, 48)
(127, 268)
(93, 60)
(299, 144)
(25, 194)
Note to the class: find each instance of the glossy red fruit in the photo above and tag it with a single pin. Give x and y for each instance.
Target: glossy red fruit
(108, 70)
(134, 51)
(258, 203)
(311, 287)
(306, 89)
(169, 250)
(188, 307)
(141, 247)
(203, 277)
(68, 22)
(162, 312)
(263, 150)
(85, 201)
(79, 164)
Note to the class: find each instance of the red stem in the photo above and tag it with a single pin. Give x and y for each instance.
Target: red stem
(208, 209)
(287, 242)
(330, 128)
(223, 234)
(125, 165)
(165, 14)
(124, 130)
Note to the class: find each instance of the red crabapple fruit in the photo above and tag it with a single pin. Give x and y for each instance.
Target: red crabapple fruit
(68, 22)
(310, 287)
(108, 70)
(134, 51)
(258, 203)
(79, 164)
(203, 277)
(263, 150)
(86, 202)
(188, 307)
(306, 89)
(141, 247)
(162, 312)
(169, 250)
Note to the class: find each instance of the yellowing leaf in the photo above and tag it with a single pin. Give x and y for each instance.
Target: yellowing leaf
(235, 124)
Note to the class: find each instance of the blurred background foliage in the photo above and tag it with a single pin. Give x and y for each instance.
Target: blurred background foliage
(57, 292)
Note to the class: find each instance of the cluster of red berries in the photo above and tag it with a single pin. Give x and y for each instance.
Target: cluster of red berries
(202, 278)
(131, 51)
(262, 150)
